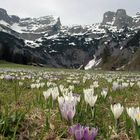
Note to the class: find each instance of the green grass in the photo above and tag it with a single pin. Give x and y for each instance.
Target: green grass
(24, 113)
(4, 64)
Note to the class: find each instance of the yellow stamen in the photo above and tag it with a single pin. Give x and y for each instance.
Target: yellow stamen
(138, 116)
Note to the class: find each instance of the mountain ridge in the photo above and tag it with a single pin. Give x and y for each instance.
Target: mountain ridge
(46, 41)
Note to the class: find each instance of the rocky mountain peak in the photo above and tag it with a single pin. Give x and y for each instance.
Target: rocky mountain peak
(108, 17)
(58, 21)
(3, 11)
(58, 24)
(4, 16)
(30, 28)
(7, 18)
(121, 13)
(122, 19)
(119, 19)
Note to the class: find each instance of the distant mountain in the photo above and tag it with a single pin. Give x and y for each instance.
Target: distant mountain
(112, 44)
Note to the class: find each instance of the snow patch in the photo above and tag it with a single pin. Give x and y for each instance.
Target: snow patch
(32, 44)
(52, 51)
(88, 39)
(72, 43)
(78, 34)
(121, 47)
(4, 23)
(52, 37)
(18, 28)
(92, 63)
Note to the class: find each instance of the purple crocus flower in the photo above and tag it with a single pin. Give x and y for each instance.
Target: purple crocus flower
(83, 133)
(90, 134)
(77, 131)
(67, 110)
(8, 77)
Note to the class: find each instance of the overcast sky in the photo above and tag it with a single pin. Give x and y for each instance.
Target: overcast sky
(69, 11)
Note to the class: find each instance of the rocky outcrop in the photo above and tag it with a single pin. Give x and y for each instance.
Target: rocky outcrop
(108, 17)
(122, 19)
(119, 19)
(9, 19)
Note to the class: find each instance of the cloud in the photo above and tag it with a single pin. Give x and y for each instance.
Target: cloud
(70, 11)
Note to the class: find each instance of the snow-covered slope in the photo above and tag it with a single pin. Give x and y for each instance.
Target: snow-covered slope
(35, 25)
(75, 45)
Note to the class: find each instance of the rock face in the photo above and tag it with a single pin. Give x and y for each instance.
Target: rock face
(119, 19)
(113, 44)
(122, 20)
(9, 19)
(4, 16)
(108, 17)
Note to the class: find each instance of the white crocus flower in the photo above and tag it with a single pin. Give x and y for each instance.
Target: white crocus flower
(2, 77)
(65, 92)
(38, 85)
(134, 114)
(137, 118)
(33, 86)
(104, 92)
(116, 86)
(96, 84)
(117, 110)
(89, 91)
(132, 111)
(46, 94)
(68, 99)
(87, 94)
(138, 84)
(55, 93)
(71, 87)
(77, 97)
(20, 83)
(61, 87)
(131, 84)
(61, 100)
(92, 100)
(125, 85)
(42, 85)
(109, 80)
(72, 97)
(37, 81)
